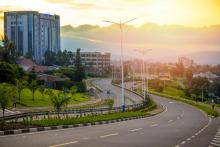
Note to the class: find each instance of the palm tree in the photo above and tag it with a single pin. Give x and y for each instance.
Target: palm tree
(33, 86)
(5, 95)
(20, 86)
(58, 101)
(42, 90)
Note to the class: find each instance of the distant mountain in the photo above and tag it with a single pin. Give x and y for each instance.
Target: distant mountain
(168, 42)
(207, 57)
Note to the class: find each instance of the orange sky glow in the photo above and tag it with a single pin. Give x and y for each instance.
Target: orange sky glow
(193, 14)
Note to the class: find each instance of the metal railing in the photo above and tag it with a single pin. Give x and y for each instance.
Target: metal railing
(76, 112)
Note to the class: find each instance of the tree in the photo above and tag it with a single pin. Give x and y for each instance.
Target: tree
(58, 101)
(32, 75)
(7, 73)
(20, 86)
(49, 92)
(33, 87)
(180, 68)
(199, 85)
(14, 94)
(29, 54)
(42, 90)
(79, 71)
(73, 90)
(49, 57)
(5, 95)
(8, 52)
(157, 84)
(189, 75)
(215, 88)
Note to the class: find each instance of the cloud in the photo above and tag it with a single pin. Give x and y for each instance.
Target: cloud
(72, 4)
(163, 39)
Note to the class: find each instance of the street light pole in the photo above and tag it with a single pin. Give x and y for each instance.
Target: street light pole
(143, 52)
(121, 25)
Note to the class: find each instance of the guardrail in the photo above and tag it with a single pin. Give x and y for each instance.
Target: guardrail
(76, 112)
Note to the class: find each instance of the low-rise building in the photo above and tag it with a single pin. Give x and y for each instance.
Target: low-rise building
(50, 80)
(95, 62)
(209, 75)
(29, 65)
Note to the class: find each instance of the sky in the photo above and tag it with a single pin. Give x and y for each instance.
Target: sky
(76, 12)
(167, 25)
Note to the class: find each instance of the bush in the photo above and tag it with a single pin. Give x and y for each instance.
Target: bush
(81, 86)
(60, 85)
(157, 84)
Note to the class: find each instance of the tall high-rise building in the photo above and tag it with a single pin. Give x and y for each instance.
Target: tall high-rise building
(32, 32)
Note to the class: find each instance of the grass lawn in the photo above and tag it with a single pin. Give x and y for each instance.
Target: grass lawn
(171, 91)
(26, 99)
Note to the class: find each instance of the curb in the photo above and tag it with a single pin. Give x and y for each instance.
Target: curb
(40, 129)
(29, 130)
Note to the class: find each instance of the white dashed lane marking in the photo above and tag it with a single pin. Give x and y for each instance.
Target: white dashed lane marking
(108, 135)
(154, 125)
(63, 144)
(170, 121)
(197, 133)
(134, 130)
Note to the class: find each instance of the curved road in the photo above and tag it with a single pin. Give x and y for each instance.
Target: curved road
(178, 125)
(115, 92)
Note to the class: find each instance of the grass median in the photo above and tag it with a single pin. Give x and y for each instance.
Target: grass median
(143, 111)
(208, 110)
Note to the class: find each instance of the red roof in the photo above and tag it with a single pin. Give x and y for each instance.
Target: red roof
(29, 65)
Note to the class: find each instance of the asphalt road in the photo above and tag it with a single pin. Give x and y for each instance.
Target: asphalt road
(115, 92)
(178, 125)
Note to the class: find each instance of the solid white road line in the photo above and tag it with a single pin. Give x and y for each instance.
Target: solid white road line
(134, 130)
(108, 135)
(63, 144)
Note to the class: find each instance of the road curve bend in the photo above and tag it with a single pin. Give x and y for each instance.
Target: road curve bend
(178, 125)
